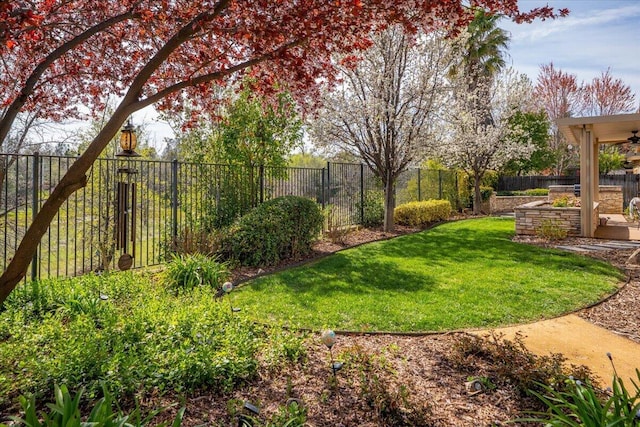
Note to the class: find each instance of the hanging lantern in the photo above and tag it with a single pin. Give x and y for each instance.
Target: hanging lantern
(128, 141)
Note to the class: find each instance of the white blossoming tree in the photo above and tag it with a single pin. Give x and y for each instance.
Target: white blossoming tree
(383, 110)
(479, 137)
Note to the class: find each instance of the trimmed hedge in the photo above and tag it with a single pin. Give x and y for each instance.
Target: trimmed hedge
(530, 192)
(421, 214)
(278, 229)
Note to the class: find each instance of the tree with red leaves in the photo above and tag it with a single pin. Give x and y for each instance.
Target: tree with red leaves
(559, 94)
(65, 53)
(605, 96)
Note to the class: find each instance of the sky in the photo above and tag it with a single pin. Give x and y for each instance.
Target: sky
(597, 34)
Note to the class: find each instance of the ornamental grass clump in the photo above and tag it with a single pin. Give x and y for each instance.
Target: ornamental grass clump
(187, 272)
(580, 404)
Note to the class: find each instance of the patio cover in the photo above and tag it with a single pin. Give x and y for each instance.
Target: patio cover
(589, 133)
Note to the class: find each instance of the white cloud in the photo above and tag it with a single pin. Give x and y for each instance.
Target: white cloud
(595, 36)
(578, 20)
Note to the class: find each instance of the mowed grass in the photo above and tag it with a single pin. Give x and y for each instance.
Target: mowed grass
(457, 275)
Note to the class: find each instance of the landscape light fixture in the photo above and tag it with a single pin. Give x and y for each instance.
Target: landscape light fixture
(128, 141)
(635, 138)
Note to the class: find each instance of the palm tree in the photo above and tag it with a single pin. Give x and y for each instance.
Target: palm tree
(481, 51)
(482, 48)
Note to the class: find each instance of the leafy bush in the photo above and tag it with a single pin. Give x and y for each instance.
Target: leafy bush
(65, 412)
(551, 230)
(278, 229)
(373, 208)
(565, 201)
(421, 214)
(186, 272)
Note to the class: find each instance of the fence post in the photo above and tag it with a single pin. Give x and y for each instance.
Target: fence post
(322, 189)
(35, 207)
(419, 185)
(328, 194)
(174, 201)
(361, 193)
(439, 184)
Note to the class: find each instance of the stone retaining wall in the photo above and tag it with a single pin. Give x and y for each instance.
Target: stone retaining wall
(530, 215)
(610, 201)
(509, 203)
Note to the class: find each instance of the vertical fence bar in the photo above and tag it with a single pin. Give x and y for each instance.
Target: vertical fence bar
(174, 201)
(419, 185)
(439, 184)
(34, 208)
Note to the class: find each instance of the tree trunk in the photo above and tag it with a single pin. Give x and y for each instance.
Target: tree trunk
(389, 204)
(477, 198)
(73, 180)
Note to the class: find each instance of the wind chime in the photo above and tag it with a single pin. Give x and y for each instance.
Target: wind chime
(125, 230)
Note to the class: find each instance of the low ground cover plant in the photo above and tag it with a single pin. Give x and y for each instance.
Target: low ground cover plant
(124, 331)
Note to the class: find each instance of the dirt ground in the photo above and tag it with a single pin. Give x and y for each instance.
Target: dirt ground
(401, 380)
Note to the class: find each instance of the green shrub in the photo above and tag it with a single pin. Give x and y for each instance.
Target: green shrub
(551, 230)
(421, 214)
(373, 208)
(566, 201)
(278, 229)
(536, 192)
(186, 272)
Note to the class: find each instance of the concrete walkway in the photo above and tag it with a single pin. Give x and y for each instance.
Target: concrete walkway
(582, 343)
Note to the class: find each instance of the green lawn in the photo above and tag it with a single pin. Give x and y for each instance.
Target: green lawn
(457, 275)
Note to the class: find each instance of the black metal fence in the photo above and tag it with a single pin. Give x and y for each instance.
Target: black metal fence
(139, 207)
(630, 183)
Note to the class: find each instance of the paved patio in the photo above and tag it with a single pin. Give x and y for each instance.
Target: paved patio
(617, 228)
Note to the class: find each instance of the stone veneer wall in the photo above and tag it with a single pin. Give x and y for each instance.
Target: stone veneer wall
(509, 203)
(529, 217)
(611, 197)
